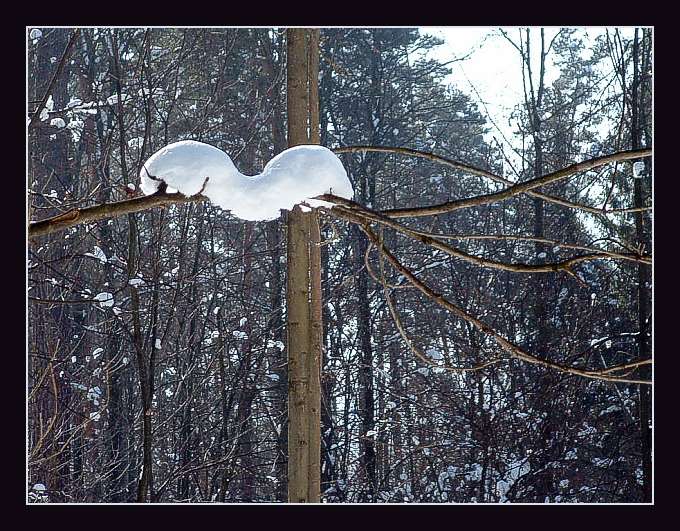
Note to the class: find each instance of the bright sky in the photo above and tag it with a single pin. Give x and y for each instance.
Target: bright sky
(493, 67)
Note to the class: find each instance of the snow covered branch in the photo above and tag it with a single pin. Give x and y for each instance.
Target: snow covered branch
(298, 175)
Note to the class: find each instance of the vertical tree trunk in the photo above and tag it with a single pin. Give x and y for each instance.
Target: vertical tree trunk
(545, 480)
(317, 337)
(248, 392)
(303, 295)
(642, 289)
(276, 324)
(297, 296)
(187, 440)
(142, 366)
(367, 457)
(50, 158)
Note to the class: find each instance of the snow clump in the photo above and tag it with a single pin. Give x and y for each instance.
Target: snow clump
(294, 176)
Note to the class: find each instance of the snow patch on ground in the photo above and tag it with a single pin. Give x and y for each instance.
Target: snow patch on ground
(292, 177)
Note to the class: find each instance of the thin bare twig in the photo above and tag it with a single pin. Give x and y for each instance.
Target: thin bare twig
(402, 331)
(62, 62)
(357, 213)
(514, 350)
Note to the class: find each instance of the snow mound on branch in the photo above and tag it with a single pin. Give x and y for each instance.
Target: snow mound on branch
(638, 169)
(294, 176)
(104, 299)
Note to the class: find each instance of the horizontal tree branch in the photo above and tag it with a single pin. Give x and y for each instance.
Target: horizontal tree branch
(356, 213)
(79, 216)
(642, 258)
(514, 189)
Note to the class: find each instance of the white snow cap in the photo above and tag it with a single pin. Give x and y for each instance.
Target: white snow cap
(104, 299)
(293, 176)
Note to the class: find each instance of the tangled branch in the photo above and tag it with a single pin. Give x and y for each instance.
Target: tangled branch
(515, 351)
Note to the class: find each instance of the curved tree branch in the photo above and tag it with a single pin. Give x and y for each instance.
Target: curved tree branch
(515, 188)
(514, 350)
(402, 330)
(356, 213)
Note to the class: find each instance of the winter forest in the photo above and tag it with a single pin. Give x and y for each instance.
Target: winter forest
(443, 304)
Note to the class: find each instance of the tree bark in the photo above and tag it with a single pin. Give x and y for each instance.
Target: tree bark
(303, 295)
(316, 317)
(643, 295)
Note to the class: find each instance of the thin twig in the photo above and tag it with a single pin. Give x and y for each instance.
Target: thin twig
(64, 58)
(514, 350)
